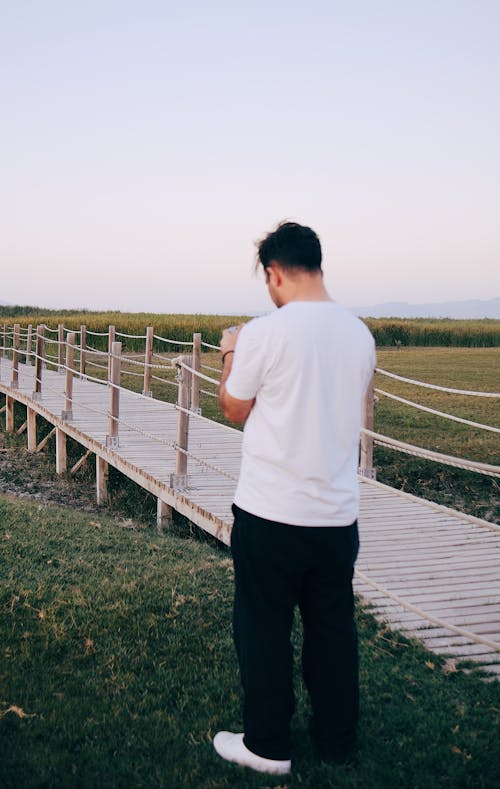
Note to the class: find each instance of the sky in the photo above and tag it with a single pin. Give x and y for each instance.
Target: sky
(145, 147)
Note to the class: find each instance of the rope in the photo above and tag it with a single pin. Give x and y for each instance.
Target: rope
(145, 433)
(429, 454)
(206, 463)
(90, 349)
(434, 619)
(98, 333)
(438, 413)
(131, 336)
(435, 386)
(96, 364)
(164, 380)
(205, 418)
(173, 342)
(213, 369)
(210, 394)
(160, 355)
(133, 359)
(214, 347)
(198, 374)
(131, 372)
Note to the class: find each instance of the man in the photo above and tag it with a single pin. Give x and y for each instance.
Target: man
(296, 378)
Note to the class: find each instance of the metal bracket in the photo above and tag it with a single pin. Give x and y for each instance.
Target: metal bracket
(179, 481)
(67, 415)
(36, 396)
(112, 442)
(14, 385)
(147, 394)
(368, 473)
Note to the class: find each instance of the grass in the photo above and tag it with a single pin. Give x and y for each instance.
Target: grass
(117, 667)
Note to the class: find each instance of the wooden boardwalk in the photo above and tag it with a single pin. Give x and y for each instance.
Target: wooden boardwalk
(428, 571)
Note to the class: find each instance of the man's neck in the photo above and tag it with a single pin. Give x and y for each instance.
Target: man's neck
(306, 288)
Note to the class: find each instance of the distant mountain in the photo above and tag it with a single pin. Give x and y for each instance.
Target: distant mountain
(472, 308)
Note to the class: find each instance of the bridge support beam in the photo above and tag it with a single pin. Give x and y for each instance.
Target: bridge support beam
(9, 414)
(61, 453)
(31, 419)
(163, 515)
(101, 479)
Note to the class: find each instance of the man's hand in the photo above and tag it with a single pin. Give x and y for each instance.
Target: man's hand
(233, 409)
(229, 339)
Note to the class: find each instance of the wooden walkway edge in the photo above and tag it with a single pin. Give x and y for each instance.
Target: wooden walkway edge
(428, 571)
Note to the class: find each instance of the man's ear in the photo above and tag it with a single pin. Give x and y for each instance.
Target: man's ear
(275, 275)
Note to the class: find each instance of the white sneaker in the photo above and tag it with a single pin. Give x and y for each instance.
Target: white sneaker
(232, 748)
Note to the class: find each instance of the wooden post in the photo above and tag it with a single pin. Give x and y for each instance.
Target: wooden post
(15, 357)
(31, 418)
(111, 339)
(60, 347)
(9, 413)
(148, 361)
(83, 349)
(195, 381)
(179, 479)
(114, 406)
(28, 343)
(101, 478)
(366, 454)
(163, 515)
(4, 340)
(70, 365)
(40, 353)
(61, 454)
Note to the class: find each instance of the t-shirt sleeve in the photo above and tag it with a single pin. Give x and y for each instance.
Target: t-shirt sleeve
(249, 363)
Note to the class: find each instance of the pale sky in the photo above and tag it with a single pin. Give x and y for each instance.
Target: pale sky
(146, 145)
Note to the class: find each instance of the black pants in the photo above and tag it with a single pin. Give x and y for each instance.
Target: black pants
(276, 568)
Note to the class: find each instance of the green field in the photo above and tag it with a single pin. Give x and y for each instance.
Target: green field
(117, 668)
(388, 332)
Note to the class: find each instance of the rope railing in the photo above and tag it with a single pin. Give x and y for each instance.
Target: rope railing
(213, 347)
(429, 454)
(173, 342)
(435, 386)
(131, 336)
(98, 333)
(437, 413)
(199, 374)
(468, 634)
(158, 439)
(212, 369)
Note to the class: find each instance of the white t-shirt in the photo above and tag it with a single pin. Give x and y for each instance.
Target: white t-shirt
(308, 365)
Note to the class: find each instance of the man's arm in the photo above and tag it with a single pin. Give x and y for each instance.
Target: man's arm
(233, 409)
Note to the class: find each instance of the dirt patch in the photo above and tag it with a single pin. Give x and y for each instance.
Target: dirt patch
(32, 476)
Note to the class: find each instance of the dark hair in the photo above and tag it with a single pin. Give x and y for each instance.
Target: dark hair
(291, 245)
